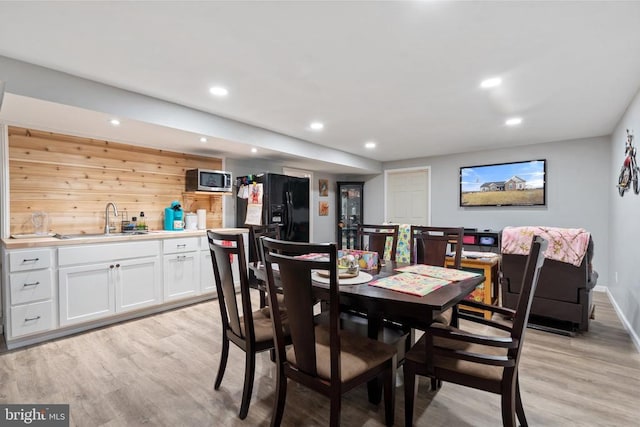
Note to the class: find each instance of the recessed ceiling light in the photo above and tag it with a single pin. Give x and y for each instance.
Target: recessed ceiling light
(492, 82)
(218, 91)
(513, 121)
(203, 139)
(114, 122)
(316, 126)
(370, 145)
(254, 150)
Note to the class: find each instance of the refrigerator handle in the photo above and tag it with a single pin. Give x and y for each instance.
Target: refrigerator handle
(289, 215)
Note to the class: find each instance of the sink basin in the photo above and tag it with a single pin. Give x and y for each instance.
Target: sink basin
(96, 235)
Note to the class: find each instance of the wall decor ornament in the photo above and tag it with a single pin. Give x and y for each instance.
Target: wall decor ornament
(323, 208)
(323, 187)
(629, 171)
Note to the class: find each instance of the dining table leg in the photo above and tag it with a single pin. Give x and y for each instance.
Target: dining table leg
(375, 331)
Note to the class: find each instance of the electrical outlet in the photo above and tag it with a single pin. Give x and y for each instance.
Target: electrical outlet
(616, 277)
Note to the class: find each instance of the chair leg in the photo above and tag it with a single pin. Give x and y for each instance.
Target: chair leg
(249, 372)
(374, 391)
(409, 392)
(519, 407)
(336, 406)
(263, 298)
(281, 397)
(223, 362)
(508, 406)
(435, 384)
(390, 392)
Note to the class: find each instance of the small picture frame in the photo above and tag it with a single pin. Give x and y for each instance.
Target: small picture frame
(323, 208)
(323, 187)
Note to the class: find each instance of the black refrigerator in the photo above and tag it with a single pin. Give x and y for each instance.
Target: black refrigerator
(285, 201)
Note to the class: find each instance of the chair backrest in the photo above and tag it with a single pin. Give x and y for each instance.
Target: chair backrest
(429, 245)
(374, 238)
(295, 274)
(223, 247)
(535, 260)
(255, 233)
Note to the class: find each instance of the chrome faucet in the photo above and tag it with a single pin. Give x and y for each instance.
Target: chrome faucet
(107, 227)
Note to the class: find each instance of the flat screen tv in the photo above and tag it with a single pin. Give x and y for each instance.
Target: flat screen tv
(504, 184)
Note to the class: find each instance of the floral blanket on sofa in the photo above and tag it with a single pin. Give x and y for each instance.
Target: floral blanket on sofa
(565, 244)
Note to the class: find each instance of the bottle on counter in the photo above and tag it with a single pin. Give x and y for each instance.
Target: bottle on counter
(141, 224)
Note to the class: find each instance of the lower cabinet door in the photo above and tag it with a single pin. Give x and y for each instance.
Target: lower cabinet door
(138, 283)
(207, 279)
(86, 293)
(181, 275)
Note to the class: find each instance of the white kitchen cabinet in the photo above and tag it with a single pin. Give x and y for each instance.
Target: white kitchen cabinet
(181, 268)
(31, 318)
(126, 277)
(29, 296)
(138, 283)
(207, 278)
(87, 292)
(55, 290)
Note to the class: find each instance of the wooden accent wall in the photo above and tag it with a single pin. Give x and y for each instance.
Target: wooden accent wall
(73, 178)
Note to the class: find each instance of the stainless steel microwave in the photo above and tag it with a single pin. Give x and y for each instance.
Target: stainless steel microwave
(208, 180)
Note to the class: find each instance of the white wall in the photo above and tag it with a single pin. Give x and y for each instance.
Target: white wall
(624, 227)
(578, 191)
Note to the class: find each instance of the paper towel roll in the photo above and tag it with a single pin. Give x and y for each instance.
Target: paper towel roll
(202, 218)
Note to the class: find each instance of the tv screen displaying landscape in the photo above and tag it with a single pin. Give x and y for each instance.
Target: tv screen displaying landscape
(504, 184)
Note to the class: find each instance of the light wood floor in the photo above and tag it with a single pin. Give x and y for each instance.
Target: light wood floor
(159, 371)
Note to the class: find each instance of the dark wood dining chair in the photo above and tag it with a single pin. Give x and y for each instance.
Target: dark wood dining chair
(323, 357)
(255, 255)
(430, 245)
(250, 330)
(488, 363)
(374, 238)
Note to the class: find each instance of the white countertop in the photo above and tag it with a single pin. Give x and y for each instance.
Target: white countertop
(37, 242)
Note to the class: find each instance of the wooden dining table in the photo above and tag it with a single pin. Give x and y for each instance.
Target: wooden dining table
(381, 304)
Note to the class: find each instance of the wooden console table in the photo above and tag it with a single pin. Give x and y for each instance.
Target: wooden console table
(486, 292)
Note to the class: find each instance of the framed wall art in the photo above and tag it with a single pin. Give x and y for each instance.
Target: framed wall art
(323, 187)
(323, 208)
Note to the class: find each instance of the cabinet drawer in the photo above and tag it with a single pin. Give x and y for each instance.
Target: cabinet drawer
(30, 286)
(87, 254)
(184, 244)
(29, 260)
(31, 318)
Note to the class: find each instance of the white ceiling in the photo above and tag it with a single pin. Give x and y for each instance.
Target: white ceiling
(403, 74)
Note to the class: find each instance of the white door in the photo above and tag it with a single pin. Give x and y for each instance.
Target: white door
(138, 283)
(407, 196)
(207, 278)
(181, 275)
(86, 293)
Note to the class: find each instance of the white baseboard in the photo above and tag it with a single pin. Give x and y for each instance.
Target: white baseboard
(600, 288)
(634, 337)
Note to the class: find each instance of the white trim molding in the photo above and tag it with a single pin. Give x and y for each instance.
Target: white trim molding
(634, 337)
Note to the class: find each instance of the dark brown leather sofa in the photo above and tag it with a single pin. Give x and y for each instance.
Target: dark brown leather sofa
(563, 293)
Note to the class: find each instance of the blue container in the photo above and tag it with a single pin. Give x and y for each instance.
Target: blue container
(168, 219)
